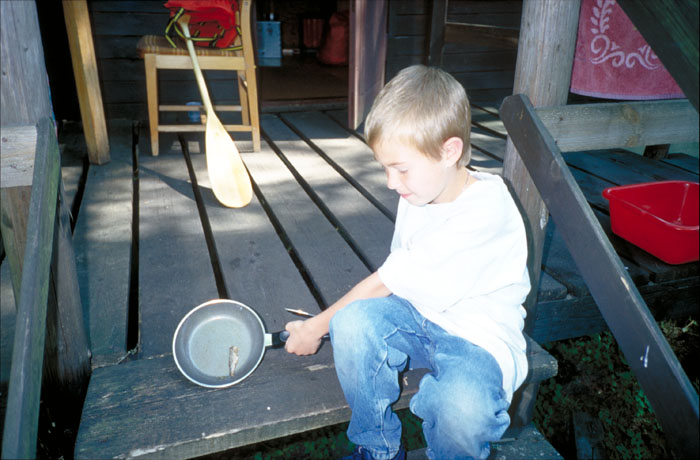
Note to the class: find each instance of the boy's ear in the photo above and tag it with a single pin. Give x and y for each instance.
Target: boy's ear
(452, 150)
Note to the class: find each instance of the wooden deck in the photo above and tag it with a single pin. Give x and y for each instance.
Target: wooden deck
(321, 220)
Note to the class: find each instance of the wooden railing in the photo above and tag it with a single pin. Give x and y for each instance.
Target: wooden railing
(672, 397)
(39, 283)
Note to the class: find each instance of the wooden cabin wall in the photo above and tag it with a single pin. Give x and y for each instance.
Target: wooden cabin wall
(117, 26)
(487, 72)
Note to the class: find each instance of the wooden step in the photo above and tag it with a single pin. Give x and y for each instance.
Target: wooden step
(527, 444)
(146, 407)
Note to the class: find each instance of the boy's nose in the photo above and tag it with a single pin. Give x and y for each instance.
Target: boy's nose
(391, 180)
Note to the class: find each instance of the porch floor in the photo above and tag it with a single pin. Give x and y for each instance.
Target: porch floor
(148, 251)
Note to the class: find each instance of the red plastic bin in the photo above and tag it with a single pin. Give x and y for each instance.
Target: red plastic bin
(659, 217)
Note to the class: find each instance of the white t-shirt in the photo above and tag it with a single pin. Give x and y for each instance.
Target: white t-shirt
(463, 266)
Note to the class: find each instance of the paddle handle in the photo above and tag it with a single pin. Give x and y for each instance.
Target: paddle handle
(183, 21)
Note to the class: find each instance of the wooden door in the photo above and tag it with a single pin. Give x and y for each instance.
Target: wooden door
(368, 40)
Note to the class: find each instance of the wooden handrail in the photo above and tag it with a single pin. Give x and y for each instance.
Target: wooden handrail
(648, 354)
(22, 414)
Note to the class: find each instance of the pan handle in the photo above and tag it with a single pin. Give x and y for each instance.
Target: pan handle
(276, 339)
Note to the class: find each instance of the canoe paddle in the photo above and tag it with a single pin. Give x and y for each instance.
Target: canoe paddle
(227, 173)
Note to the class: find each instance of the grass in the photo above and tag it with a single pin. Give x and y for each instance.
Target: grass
(595, 379)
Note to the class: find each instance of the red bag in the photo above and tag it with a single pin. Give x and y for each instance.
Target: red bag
(335, 47)
(212, 22)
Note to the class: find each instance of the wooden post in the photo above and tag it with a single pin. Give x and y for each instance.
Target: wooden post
(437, 32)
(542, 72)
(25, 101)
(87, 80)
(367, 56)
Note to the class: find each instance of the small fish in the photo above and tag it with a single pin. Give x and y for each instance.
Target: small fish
(232, 360)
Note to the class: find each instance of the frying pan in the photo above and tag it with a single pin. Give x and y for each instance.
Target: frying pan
(221, 342)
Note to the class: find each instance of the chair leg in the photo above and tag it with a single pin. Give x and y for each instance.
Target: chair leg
(243, 96)
(253, 106)
(152, 98)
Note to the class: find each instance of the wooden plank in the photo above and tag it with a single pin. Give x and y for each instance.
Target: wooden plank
(127, 6)
(24, 92)
(67, 351)
(146, 408)
(485, 80)
(563, 319)
(667, 387)
(256, 267)
(550, 289)
(285, 395)
(683, 161)
(312, 236)
(671, 29)
(7, 322)
(620, 124)
(136, 23)
(21, 418)
(528, 444)
(500, 37)
(647, 166)
(17, 155)
(558, 262)
(173, 91)
(132, 69)
(625, 168)
(87, 80)
(488, 143)
(369, 230)
(14, 208)
(175, 272)
(478, 7)
(351, 155)
(17, 165)
(74, 164)
(465, 60)
(102, 240)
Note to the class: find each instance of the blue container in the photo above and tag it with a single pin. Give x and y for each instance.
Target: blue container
(269, 39)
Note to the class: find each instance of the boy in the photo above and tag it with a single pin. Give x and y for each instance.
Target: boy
(448, 297)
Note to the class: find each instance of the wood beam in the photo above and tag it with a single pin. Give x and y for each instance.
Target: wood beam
(87, 80)
(620, 124)
(17, 144)
(506, 37)
(543, 72)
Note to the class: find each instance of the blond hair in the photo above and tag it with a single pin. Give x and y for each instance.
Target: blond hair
(423, 107)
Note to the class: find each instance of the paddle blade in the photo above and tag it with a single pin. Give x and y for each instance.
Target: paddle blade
(227, 174)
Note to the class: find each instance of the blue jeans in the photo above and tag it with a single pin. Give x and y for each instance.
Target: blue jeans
(461, 401)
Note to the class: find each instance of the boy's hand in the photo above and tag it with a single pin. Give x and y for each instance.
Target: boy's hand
(303, 339)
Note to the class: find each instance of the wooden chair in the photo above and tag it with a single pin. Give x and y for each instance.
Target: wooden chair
(157, 53)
